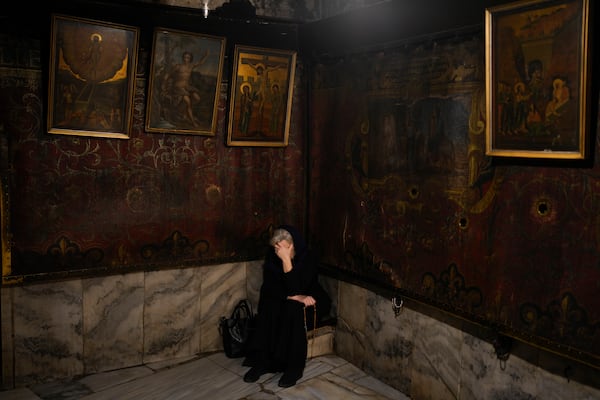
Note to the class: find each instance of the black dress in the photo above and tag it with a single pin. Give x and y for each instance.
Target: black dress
(279, 342)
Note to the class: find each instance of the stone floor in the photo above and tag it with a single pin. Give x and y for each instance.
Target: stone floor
(214, 377)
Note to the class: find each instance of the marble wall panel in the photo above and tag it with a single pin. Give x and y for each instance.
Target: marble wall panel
(172, 314)
(559, 387)
(220, 291)
(426, 358)
(6, 323)
(350, 332)
(391, 339)
(330, 285)
(48, 332)
(564, 378)
(63, 329)
(253, 281)
(113, 321)
(435, 361)
(483, 375)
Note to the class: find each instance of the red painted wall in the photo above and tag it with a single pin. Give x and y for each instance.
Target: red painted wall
(79, 204)
(414, 205)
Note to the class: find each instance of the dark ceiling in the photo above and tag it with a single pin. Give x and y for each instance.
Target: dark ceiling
(391, 22)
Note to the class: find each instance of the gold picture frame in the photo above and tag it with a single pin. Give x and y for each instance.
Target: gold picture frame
(538, 79)
(261, 97)
(184, 82)
(92, 77)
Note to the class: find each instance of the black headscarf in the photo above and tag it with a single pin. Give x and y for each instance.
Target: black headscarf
(299, 243)
(300, 249)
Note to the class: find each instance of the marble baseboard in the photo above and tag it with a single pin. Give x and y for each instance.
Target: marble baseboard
(215, 377)
(53, 331)
(428, 359)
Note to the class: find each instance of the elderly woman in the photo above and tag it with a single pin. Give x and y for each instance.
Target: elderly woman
(289, 295)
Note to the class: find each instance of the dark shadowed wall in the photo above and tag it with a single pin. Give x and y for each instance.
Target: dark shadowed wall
(415, 207)
(397, 191)
(79, 204)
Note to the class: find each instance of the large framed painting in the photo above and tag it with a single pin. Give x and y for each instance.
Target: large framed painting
(92, 77)
(261, 97)
(185, 75)
(538, 79)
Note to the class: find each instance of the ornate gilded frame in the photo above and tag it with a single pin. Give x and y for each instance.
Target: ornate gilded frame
(184, 82)
(538, 79)
(261, 97)
(92, 77)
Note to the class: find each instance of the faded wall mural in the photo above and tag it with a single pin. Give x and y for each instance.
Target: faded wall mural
(76, 204)
(414, 205)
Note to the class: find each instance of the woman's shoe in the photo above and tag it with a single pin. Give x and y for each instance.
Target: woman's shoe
(288, 380)
(253, 374)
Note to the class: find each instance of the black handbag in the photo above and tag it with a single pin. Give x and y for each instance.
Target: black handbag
(237, 330)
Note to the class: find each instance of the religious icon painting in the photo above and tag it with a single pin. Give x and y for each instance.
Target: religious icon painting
(184, 83)
(92, 77)
(538, 79)
(261, 97)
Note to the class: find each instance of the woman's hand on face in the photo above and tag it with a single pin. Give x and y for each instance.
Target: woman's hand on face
(284, 250)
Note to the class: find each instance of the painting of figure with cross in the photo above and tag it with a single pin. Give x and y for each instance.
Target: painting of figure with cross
(261, 97)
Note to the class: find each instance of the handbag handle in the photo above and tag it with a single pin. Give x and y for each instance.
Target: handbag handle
(242, 306)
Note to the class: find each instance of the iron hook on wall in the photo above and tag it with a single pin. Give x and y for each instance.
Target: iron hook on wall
(502, 346)
(397, 304)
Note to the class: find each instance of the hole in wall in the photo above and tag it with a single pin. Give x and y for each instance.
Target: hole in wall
(413, 192)
(543, 207)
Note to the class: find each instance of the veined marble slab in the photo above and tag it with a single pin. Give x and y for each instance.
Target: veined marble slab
(216, 377)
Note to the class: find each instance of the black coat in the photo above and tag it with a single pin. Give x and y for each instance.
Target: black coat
(279, 340)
